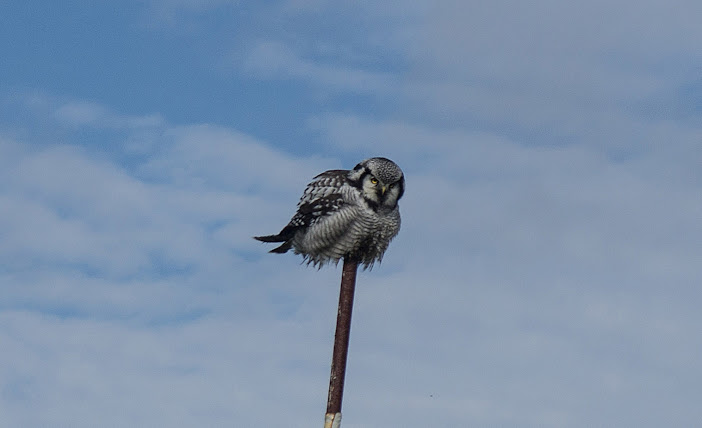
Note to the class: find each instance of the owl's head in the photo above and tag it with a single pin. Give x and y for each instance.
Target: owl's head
(380, 180)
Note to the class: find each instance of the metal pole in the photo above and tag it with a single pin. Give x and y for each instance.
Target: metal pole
(341, 344)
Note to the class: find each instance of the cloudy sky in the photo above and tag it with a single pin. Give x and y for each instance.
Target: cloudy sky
(549, 265)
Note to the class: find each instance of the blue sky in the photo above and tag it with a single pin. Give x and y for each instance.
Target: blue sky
(546, 274)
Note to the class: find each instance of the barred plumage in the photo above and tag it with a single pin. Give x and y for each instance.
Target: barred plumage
(346, 214)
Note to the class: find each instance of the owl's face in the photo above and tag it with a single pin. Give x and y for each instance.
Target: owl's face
(381, 181)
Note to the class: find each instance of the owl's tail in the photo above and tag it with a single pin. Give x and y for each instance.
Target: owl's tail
(285, 236)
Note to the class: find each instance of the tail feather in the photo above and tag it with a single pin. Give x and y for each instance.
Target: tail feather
(285, 236)
(283, 248)
(271, 238)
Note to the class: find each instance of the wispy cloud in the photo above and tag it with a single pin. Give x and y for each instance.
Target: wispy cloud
(276, 60)
(547, 269)
(171, 13)
(95, 115)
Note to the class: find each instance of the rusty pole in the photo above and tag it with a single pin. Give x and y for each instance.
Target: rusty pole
(332, 418)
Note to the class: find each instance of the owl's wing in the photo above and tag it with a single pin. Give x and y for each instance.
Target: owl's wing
(321, 198)
(323, 186)
(326, 215)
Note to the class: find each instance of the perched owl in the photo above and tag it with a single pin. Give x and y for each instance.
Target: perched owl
(346, 214)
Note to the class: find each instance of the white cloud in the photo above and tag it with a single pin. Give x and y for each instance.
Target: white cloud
(546, 273)
(556, 70)
(73, 372)
(536, 254)
(590, 74)
(205, 155)
(554, 252)
(109, 270)
(275, 60)
(92, 114)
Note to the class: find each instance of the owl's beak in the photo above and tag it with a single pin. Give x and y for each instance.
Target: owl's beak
(383, 189)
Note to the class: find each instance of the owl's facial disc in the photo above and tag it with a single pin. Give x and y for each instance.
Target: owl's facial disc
(378, 193)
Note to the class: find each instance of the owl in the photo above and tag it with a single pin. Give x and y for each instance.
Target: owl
(349, 214)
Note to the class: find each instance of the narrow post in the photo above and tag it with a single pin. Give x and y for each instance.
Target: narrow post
(341, 344)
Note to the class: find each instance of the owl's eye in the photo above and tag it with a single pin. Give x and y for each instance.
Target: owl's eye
(391, 186)
(374, 180)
